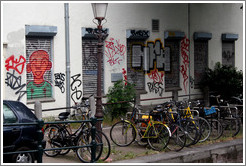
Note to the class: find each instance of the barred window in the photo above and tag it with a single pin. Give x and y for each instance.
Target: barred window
(39, 67)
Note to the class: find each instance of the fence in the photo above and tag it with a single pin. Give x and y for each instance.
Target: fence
(40, 150)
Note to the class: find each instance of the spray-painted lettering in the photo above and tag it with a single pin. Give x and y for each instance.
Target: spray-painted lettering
(76, 83)
(59, 81)
(114, 51)
(185, 56)
(15, 83)
(15, 64)
(124, 75)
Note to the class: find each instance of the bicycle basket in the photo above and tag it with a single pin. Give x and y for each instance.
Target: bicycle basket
(210, 111)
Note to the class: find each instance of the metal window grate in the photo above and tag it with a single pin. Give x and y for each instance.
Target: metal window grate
(89, 61)
(155, 25)
(43, 90)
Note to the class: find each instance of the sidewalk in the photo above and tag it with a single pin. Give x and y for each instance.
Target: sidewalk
(223, 152)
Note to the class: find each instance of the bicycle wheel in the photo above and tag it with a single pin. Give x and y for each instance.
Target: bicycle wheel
(122, 133)
(216, 129)
(141, 127)
(106, 146)
(231, 127)
(52, 138)
(178, 138)
(205, 129)
(192, 131)
(84, 153)
(158, 136)
(81, 113)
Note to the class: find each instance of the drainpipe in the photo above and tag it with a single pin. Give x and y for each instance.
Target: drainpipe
(67, 46)
(189, 45)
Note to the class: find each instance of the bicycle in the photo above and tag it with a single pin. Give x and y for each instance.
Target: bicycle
(204, 126)
(178, 135)
(189, 125)
(81, 110)
(58, 136)
(229, 120)
(157, 134)
(210, 114)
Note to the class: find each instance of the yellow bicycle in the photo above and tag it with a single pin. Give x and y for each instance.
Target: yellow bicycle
(125, 132)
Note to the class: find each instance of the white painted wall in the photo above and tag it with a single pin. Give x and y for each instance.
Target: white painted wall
(213, 18)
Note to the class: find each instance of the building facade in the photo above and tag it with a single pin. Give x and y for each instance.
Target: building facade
(163, 48)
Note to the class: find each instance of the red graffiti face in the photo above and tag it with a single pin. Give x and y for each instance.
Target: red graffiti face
(38, 64)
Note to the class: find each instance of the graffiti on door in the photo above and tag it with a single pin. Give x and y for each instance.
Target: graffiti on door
(38, 65)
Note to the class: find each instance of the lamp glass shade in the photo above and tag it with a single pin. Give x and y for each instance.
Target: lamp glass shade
(99, 10)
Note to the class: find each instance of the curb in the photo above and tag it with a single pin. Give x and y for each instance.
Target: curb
(212, 153)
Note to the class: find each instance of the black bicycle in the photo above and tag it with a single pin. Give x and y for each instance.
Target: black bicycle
(61, 135)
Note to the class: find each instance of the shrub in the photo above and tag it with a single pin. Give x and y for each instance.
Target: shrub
(117, 93)
(223, 80)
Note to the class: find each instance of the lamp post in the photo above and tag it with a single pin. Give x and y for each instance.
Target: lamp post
(99, 10)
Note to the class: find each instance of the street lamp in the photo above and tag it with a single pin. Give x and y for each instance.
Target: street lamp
(99, 10)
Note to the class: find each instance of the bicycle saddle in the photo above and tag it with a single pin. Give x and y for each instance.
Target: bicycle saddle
(63, 115)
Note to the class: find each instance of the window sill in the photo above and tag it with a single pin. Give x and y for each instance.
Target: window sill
(42, 100)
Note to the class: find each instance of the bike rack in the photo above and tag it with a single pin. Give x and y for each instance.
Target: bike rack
(40, 150)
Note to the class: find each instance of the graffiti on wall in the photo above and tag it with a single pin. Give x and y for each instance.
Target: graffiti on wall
(15, 63)
(156, 83)
(38, 64)
(150, 56)
(14, 80)
(59, 81)
(15, 83)
(137, 34)
(154, 59)
(185, 61)
(114, 51)
(76, 92)
(124, 75)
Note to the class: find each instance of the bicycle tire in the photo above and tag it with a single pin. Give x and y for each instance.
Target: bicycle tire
(216, 129)
(231, 127)
(140, 132)
(205, 129)
(192, 131)
(178, 138)
(84, 153)
(52, 136)
(106, 146)
(80, 113)
(122, 133)
(158, 136)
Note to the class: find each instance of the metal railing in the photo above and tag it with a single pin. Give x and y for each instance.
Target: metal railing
(40, 150)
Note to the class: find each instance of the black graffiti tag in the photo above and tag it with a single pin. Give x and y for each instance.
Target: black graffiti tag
(14, 83)
(59, 81)
(155, 87)
(76, 83)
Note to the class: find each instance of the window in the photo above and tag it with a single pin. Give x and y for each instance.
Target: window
(39, 61)
(228, 53)
(89, 67)
(89, 61)
(228, 48)
(172, 76)
(155, 25)
(200, 60)
(135, 57)
(8, 114)
(39, 67)
(135, 73)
